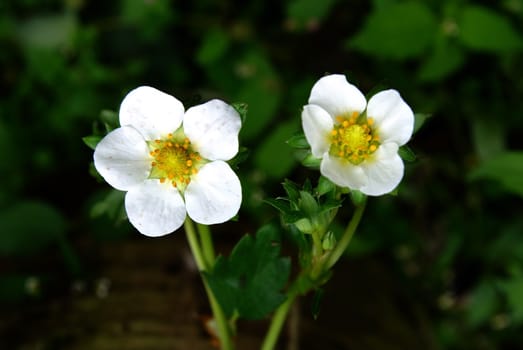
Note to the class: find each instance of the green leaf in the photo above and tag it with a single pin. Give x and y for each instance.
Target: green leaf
(398, 31)
(29, 226)
(482, 29)
(292, 190)
(280, 204)
(505, 168)
(273, 157)
(250, 280)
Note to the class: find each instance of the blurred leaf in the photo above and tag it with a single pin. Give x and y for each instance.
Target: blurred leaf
(484, 303)
(48, 31)
(242, 109)
(444, 60)
(489, 137)
(29, 226)
(482, 29)
(273, 156)
(398, 31)
(514, 292)
(213, 47)
(419, 120)
(249, 281)
(260, 92)
(505, 168)
(306, 12)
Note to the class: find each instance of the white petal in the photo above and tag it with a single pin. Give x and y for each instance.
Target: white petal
(155, 209)
(384, 171)
(214, 195)
(337, 96)
(393, 117)
(213, 129)
(342, 172)
(122, 158)
(317, 125)
(151, 111)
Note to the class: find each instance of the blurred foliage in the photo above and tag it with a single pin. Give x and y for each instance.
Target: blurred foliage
(453, 233)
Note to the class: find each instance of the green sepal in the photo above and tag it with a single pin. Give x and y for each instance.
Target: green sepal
(241, 108)
(310, 161)
(298, 141)
(109, 119)
(91, 141)
(407, 154)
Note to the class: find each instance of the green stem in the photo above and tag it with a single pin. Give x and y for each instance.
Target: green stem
(224, 333)
(278, 319)
(207, 244)
(342, 245)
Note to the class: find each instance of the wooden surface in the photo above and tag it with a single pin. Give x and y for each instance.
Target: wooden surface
(146, 294)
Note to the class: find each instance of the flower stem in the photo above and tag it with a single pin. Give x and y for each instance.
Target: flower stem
(207, 244)
(224, 333)
(279, 317)
(343, 243)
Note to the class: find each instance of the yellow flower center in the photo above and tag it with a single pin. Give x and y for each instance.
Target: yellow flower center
(353, 138)
(174, 160)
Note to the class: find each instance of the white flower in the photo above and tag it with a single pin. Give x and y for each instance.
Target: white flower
(357, 141)
(172, 163)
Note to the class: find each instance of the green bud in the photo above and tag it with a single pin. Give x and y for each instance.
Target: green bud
(304, 225)
(329, 241)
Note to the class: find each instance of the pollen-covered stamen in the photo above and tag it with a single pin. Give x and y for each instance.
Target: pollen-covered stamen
(353, 139)
(174, 159)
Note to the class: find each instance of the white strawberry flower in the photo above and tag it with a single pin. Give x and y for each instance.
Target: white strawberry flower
(357, 141)
(172, 162)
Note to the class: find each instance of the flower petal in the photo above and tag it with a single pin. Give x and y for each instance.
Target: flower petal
(393, 117)
(213, 129)
(384, 172)
(155, 209)
(122, 158)
(214, 195)
(337, 96)
(152, 112)
(342, 172)
(317, 125)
